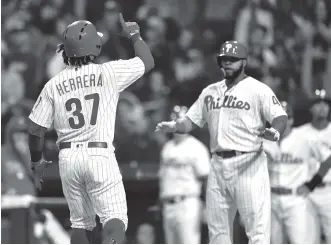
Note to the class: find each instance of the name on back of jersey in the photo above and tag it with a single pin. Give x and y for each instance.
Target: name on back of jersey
(79, 82)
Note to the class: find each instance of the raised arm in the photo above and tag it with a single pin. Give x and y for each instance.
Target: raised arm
(131, 30)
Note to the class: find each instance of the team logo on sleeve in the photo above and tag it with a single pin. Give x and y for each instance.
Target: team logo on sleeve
(212, 103)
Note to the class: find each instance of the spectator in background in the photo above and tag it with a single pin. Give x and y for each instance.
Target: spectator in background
(114, 47)
(133, 141)
(12, 77)
(55, 61)
(322, 40)
(261, 57)
(156, 97)
(255, 12)
(154, 32)
(16, 178)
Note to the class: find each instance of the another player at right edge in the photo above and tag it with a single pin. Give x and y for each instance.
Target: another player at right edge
(236, 110)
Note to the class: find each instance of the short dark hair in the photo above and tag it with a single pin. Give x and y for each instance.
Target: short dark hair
(76, 62)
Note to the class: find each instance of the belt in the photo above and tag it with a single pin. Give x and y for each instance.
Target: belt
(229, 154)
(283, 191)
(324, 184)
(173, 200)
(66, 145)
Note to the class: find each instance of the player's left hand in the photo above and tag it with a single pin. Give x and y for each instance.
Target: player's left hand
(128, 29)
(38, 171)
(271, 134)
(303, 190)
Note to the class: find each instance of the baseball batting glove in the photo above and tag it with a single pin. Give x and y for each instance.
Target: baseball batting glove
(128, 28)
(271, 134)
(38, 171)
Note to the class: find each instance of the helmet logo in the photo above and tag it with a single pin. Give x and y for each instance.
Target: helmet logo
(228, 46)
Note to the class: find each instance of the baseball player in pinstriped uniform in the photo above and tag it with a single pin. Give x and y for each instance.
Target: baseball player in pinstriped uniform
(288, 162)
(185, 164)
(81, 102)
(236, 110)
(320, 196)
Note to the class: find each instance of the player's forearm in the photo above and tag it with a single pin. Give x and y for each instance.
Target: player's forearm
(36, 141)
(184, 126)
(280, 123)
(318, 177)
(142, 50)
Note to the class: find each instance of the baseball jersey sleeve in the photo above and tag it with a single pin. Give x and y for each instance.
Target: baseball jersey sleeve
(201, 160)
(43, 110)
(271, 107)
(196, 112)
(319, 150)
(124, 72)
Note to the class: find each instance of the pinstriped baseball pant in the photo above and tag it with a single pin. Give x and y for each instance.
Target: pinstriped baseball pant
(92, 184)
(242, 183)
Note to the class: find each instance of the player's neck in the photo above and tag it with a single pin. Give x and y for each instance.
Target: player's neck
(320, 123)
(231, 82)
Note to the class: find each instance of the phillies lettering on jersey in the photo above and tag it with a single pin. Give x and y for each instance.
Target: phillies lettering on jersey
(228, 102)
(236, 116)
(82, 102)
(292, 159)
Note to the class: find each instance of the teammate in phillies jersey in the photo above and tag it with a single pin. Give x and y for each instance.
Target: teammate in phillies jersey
(81, 102)
(236, 110)
(185, 164)
(288, 163)
(319, 186)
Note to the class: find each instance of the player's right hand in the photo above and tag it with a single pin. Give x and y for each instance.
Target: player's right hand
(167, 127)
(38, 171)
(128, 29)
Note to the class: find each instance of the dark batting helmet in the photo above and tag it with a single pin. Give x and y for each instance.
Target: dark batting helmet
(232, 49)
(82, 39)
(178, 112)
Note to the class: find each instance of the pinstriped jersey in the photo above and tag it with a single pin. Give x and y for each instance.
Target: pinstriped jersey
(236, 116)
(324, 136)
(182, 163)
(295, 158)
(81, 103)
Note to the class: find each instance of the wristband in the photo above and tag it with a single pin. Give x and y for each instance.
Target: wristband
(315, 181)
(135, 37)
(277, 134)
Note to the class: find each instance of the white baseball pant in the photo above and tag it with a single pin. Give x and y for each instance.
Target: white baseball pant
(291, 220)
(92, 184)
(242, 183)
(182, 221)
(321, 199)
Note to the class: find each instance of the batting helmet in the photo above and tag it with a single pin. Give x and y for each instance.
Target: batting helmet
(320, 95)
(178, 112)
(82, 39)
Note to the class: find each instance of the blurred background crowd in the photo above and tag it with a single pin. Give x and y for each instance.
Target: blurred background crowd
(289, 50)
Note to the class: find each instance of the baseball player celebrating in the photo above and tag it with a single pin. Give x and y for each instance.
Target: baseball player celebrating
(81, 102)
(185, 165)
(319, 186)
(236, 110)
(288, 169)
